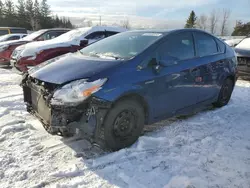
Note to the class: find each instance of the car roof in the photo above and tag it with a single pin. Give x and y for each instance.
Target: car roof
(51, 29)
(167, 31)
(15, 34)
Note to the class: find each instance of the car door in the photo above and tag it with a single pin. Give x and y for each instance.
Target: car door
(172, 88)
(211, 63)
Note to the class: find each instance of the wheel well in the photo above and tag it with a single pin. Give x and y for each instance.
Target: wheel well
(138, 99)
(232, 78)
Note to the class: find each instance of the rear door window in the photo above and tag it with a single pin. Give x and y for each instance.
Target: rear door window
(14, 38)
(180, 46)
(206, 44)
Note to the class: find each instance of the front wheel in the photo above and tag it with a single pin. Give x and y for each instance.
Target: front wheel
(123, 124)
(225, 93)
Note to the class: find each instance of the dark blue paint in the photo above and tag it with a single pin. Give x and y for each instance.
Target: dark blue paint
(170, 91)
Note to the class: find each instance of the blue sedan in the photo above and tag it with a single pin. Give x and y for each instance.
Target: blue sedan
(111, 89)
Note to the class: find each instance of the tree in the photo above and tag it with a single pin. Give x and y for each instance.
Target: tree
(45, 19)
(21, 14)
(191, 21)
(30, 13)
(213, 21)
(126, 24)
(202, 22)
(37, 15)
(2, 10)
(225, 16)
(241, 29)
(9, 14)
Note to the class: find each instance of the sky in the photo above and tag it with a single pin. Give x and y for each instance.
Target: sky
(147, 13)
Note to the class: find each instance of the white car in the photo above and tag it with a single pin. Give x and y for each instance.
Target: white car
(233, 42)
(34, 53)
(9, 37)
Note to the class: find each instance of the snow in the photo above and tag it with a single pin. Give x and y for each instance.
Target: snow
(72, 37)
(244, 44)
(233, 42)
(209, 149)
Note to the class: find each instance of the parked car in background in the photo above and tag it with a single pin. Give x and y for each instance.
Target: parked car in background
(10, 30)
(243, 54)
(7, 47)
(111, 88)
(37, 52)
(233, 42)
(9, 37)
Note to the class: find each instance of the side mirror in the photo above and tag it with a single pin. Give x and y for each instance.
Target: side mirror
(84, 42)
(166, 61)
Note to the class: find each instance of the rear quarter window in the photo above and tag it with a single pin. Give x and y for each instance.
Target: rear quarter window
(221, 46)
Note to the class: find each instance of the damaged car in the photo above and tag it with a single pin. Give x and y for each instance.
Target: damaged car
(109, 90)
(35, 53)
(243, 54)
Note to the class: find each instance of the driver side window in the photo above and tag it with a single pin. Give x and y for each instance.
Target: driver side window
(179, 46)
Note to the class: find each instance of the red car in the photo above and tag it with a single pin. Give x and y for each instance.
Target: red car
(7, 47)
(34, 53)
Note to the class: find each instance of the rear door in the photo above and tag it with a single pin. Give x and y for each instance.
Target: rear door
(211, 65)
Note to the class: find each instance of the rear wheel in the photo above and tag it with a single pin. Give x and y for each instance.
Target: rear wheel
(225, 93)
(123, 124)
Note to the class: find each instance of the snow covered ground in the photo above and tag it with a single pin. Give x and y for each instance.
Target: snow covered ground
(210, 149)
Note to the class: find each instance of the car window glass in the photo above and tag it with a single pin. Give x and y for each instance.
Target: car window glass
(221, 46)
(96, 35)
(14, 38)
(18, 30)
(4, 31)
(179, 46)
(110, 33)
(49, 35)
(206, 44)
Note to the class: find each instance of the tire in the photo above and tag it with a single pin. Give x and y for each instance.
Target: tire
(225, 93)
(123, 124)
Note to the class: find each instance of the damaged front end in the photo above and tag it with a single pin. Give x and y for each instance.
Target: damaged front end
(68, 119)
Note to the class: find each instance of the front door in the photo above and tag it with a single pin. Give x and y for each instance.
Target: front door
(173, 87)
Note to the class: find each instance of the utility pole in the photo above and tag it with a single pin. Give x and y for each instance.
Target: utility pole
(100, 20)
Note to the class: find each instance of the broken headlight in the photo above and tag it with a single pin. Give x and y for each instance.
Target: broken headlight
(77, 91)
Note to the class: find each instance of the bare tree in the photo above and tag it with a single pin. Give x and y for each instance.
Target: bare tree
(225, 17)
(202, 22)
(125, 24)
(213, 21)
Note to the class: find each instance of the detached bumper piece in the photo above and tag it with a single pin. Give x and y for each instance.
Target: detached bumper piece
(85, 118)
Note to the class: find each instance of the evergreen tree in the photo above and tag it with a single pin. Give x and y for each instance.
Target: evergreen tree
(2, 10)
(45, 20)
(241, 29)
(37, 15)
(9, 14)
(21, 14)
(191, 21)
(30, 13)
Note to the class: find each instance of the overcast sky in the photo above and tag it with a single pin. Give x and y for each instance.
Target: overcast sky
(170, 13)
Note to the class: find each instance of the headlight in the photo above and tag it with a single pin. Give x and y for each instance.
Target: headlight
(4, 47)
(77, 91)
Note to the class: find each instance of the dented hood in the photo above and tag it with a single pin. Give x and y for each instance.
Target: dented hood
(71, 67)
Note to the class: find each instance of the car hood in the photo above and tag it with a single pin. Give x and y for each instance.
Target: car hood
(13, 42)
(69, 67)
(33, 48)
(242, 52)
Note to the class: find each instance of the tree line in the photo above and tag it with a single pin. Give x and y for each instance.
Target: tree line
(32, 15)
(217, 23)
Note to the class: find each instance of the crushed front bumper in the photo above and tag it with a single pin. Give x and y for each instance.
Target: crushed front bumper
(66, 120)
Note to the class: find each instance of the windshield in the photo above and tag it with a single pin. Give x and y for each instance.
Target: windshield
(121, 46)
(244, 44)
(34, 35)
(71, 35)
